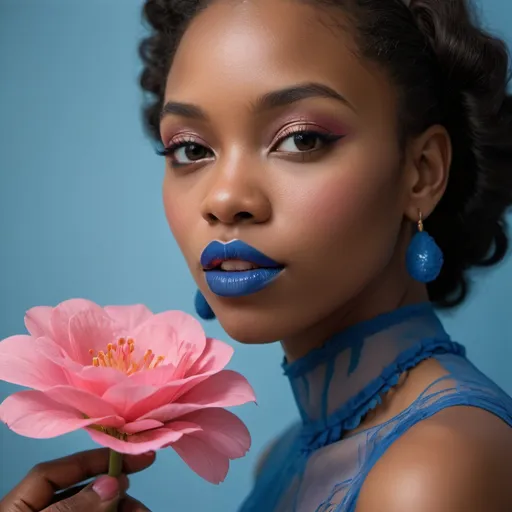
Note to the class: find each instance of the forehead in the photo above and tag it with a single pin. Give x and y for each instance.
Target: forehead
(239, 49)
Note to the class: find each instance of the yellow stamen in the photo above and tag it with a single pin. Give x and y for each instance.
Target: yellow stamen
(123, 357)
(159, 360)
(133, 368)
(101, 357)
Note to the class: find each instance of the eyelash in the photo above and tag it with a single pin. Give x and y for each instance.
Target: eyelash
(178, 143)
(326, 139)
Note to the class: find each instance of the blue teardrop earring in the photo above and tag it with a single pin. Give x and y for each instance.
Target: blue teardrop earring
(424, 258)
(203, 309)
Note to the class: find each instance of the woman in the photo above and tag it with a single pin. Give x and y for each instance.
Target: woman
(333, 170)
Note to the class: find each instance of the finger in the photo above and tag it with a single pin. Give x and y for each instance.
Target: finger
(63, 495)
(37, 489)
(130, 504)
(100, 496)
(67, 493)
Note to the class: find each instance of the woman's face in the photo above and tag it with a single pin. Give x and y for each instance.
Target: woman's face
(286, 140)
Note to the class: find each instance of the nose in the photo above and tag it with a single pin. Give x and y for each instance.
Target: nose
(235, 197)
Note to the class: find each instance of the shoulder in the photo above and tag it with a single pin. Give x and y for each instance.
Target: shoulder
(458, 460)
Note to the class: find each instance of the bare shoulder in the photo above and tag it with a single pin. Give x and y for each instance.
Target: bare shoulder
(458, 460)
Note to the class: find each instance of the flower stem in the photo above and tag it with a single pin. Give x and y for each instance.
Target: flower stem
(115, 468)
(115, 464)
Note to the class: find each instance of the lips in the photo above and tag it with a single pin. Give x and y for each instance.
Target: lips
(216, 254)
(236, 266)
(236, 269)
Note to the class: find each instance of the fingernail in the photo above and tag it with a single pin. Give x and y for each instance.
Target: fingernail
(106, 487)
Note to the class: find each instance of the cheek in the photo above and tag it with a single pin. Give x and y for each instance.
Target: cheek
(338, 204)
(343, 214)
(177, 214)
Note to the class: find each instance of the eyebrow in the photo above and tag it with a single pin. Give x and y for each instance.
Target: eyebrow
(290, 95)
(269, 101)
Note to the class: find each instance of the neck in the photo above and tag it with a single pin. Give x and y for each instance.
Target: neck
(336, 385)
(394, 289)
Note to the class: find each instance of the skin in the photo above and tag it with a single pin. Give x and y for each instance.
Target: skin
(349, 208)
(339, 218)
(455, 461)
(37, 491)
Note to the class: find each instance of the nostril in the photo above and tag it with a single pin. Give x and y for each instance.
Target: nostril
(228, 217)
(243, 216)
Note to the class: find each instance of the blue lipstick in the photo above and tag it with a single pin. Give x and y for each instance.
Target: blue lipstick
(240, 282)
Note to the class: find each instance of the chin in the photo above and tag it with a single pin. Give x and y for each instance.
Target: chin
(249, 327)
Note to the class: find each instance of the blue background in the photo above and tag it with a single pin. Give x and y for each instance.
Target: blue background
(81, 215)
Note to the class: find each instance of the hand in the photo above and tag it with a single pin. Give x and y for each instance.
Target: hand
(48, 486)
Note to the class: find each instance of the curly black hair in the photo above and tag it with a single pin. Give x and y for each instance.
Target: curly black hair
(447, 70)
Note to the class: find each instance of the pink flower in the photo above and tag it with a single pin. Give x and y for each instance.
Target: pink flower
(134, 380)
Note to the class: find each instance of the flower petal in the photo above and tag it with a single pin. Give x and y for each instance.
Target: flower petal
(129, 317)
(169, 412)
(38, 321)
(82, 401)
(61, 315)
(222, 430)
(215, 357)
(224, 389)
(33, 414)
(97, 380)
(156, 377)
(140, 443)
(90, 378)
(186, 325)
(90, 330)
(163, 395)
(173, 334)
(124, 396)
(202, 458)
(22, 363)
(57, 354)
(140, 426)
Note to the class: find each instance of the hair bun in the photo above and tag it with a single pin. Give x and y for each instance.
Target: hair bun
(477, 111)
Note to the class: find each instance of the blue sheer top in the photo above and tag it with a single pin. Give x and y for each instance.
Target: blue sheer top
(318, 465)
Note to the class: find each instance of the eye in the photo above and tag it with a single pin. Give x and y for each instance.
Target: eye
(189, 153)
(186, 152)
(304, 141)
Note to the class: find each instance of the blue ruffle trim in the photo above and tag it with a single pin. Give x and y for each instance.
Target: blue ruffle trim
(353, 335)
(320, 433)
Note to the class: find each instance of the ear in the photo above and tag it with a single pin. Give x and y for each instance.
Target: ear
(429, 158)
